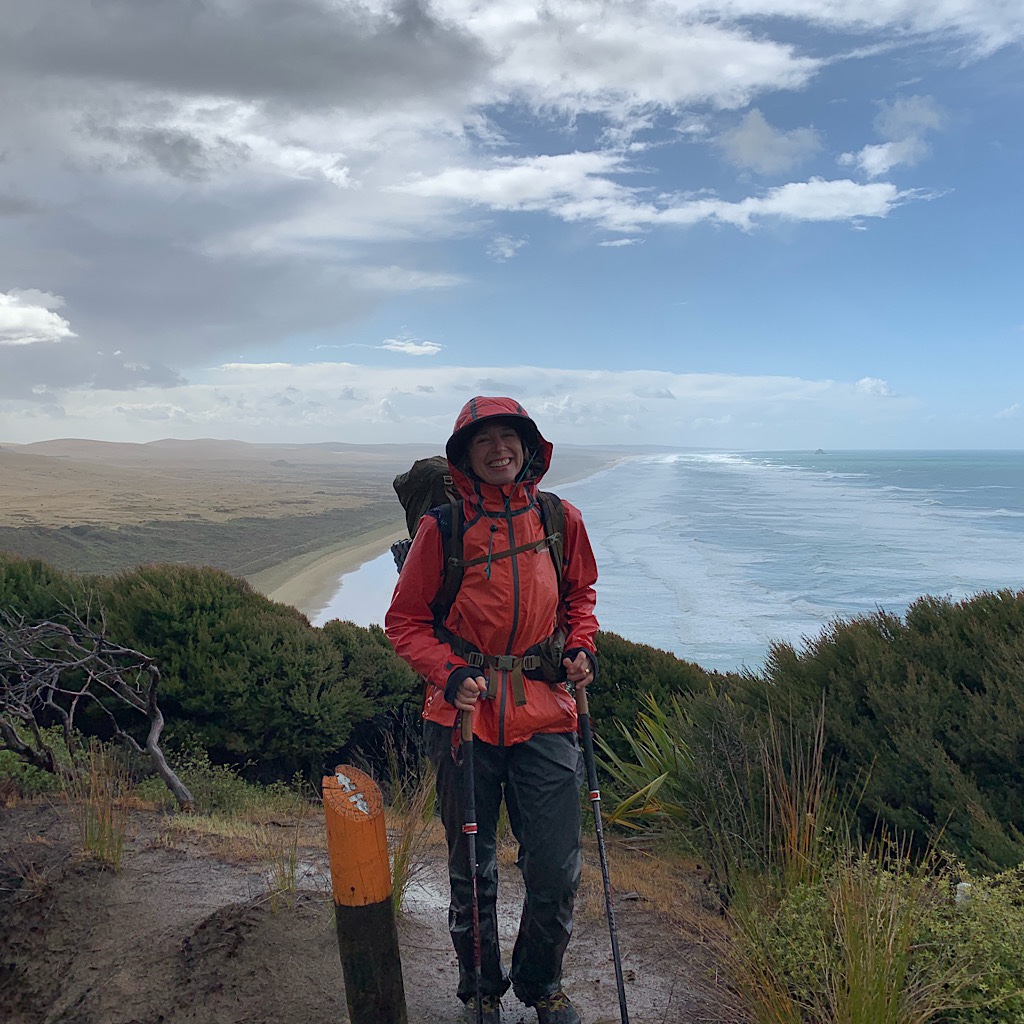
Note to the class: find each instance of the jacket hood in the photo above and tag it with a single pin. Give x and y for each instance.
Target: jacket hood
(536, 450)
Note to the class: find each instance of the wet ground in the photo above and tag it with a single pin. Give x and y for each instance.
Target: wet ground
(182, 934)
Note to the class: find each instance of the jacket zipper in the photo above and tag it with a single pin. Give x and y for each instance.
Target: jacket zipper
(515, 624)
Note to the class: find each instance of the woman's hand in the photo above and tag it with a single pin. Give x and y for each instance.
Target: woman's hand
(469, 691)
(579, 670)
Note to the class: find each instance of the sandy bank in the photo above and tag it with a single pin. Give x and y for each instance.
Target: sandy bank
(309, 582)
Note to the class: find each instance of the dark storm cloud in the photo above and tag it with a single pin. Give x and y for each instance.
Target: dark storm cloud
(34, 372)
(299, 52)
(14, 206)
(176, 152)
(150, 215)
(156, 298)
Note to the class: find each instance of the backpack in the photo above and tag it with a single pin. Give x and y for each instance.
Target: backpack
(427, 488)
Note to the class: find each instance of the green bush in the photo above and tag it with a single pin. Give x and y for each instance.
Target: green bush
(37, 591)
(923, 719)
(23, 780)
(248, 679)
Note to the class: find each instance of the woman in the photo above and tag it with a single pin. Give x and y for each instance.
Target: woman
(516, 619)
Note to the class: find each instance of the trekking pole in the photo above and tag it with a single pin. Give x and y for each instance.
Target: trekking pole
(469, 830)
(583, 710)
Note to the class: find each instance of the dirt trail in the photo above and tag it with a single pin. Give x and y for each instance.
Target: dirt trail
(179, 935)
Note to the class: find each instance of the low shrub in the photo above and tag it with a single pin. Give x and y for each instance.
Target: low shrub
(923, 720)
(878, 939)
(980, 922)
(20, 780)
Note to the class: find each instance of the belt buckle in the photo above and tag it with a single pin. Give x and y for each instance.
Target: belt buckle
(505, 662)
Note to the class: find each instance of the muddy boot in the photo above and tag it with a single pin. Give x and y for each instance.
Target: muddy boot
(491, 1007)
(556, 1008)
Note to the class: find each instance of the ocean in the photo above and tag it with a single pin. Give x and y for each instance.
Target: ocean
(714, 556)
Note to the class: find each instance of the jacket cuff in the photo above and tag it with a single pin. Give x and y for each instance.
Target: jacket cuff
(571, 652)
(451, 688)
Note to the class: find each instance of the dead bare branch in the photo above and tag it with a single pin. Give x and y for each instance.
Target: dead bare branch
(50, 670)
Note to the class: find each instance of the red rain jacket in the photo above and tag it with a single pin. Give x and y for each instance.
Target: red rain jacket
(518, 606)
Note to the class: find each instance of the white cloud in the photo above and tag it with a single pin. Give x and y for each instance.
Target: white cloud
(27, 318)
(618, 243)
(504, 247)
(813, 200)
(531, 183)
(409, 347)
(982, 24)
(582, 406)
(158, 412)
(617, 58)
(35, 297)
(1011, 412)
(754, 143)
(904, 124)
(873, 386)
(402, 279)
(574, 188)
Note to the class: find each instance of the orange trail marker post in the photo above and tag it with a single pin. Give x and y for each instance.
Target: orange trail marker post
(361, 883)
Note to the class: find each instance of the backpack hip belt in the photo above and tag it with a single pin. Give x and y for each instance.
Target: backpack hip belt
(542, 661)
(495, 663)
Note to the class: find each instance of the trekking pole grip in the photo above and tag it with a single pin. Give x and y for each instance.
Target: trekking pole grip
(467, 726)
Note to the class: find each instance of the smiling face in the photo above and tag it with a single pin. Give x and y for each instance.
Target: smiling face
(496, 453)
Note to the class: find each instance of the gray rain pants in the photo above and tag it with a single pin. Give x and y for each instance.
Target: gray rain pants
(540, 782)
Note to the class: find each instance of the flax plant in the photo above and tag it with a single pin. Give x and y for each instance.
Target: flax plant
(753, 801)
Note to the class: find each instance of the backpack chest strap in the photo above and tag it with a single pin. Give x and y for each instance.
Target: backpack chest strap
(534, 545)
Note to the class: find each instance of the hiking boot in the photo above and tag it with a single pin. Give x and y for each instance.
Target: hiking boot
(556, 1008)
(491, 1007)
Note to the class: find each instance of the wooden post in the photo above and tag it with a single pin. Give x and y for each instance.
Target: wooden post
(361, 884)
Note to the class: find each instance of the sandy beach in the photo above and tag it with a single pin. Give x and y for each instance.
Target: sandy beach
(308, 585)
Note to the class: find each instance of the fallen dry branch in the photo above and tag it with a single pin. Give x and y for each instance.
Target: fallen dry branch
(49, 670)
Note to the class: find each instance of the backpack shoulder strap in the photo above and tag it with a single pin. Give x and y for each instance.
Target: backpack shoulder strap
(552, 514)
(450, 525)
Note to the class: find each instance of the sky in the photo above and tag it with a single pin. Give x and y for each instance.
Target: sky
(731, 224)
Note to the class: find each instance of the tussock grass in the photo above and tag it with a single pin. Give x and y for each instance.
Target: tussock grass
(97, 788)
(411, 824)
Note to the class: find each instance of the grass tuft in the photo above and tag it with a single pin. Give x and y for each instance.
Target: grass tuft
(98, 788)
